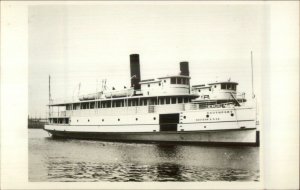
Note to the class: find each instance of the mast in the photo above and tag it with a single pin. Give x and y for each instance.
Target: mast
(49, 93)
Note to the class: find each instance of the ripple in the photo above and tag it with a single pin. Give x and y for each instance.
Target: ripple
(92, 161)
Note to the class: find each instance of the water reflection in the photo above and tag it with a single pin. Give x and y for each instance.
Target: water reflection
(79, 160)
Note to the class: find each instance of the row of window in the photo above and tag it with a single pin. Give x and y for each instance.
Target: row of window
(67, 121)
(179, 80)
(128, 103)
(60, 120)
(228, 86)
(176, 80)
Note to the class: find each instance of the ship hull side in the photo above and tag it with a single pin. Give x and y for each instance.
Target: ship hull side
(233, 137)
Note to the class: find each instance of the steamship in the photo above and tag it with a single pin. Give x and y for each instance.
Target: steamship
(165, 109)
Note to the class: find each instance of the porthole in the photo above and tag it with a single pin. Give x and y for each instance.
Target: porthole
(118, 119)
(159, 84)
(184, 117)
(77, 120)
(136, 119)
(199, 90)
(88, 120)
(204, 126)
(232, 114)
(148, 85)
(207, 116)
(165, 81)
(102, 120)
(154, 118)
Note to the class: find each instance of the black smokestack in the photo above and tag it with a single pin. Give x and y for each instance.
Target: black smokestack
(135, 74)
(184, 68)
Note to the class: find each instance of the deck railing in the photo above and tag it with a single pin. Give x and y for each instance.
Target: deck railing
(167, 108)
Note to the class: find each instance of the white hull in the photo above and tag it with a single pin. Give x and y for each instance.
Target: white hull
(218, 125)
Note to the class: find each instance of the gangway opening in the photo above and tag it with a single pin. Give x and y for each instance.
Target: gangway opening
(168, 122)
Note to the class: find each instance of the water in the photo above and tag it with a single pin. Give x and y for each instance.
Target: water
(89, 161)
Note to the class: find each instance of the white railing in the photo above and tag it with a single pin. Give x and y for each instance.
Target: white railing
(135, 110)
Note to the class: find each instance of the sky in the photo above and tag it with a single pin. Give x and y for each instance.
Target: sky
(88, 43)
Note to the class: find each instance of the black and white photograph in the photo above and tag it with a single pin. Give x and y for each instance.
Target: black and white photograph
(169, 91)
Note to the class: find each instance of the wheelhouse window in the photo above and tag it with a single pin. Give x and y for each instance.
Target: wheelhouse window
(223, 86)
(228, 86)
(179, 80)
(173, 80)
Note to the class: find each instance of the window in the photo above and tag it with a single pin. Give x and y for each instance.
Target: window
(154, 118)
(174, 100)
(165, 81)
(118, 103)
(186, 100)
(179, 80)
(180, 100)
(134, 102)
(167, 100)
(69, 107)
(173, 80)
(199, 90)
(92, 105)
(215, 86)
(159, 84)
(148, 85)
(161, 101)
(223, 86)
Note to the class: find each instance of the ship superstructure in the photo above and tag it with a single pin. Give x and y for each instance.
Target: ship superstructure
(153, 110)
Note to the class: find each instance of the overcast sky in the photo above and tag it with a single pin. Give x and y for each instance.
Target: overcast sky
(85, 44)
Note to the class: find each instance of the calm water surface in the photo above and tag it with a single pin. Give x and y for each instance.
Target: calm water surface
(87, 161)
